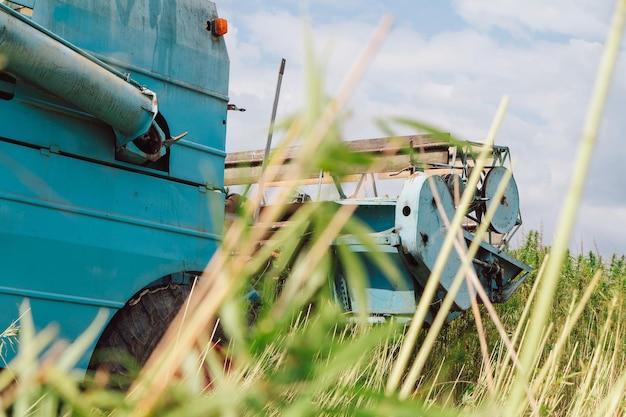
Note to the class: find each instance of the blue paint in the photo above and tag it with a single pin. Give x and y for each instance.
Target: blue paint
(81, 229)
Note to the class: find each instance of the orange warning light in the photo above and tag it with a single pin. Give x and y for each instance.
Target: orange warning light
(219, 27)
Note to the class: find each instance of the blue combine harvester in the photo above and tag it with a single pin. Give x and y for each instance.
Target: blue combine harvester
(112, 156)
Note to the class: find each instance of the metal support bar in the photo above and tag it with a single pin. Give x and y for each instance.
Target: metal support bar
(270, 133)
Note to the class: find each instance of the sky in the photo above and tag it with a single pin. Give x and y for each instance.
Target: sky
(449, 64)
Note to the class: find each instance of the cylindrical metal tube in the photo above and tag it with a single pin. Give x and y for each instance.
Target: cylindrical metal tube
(36, 58)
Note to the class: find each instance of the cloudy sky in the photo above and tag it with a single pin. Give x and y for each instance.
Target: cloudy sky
(449, 63)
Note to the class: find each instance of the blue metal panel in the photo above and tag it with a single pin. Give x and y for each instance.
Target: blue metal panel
(423, 230)
(65, 128)
(76, 318)
(118, 193)
(80, 230)
(140, 33)
(86, 235)
(383, 296)
(38, 57)
(190, 79)
(26, 3)
(377, 213)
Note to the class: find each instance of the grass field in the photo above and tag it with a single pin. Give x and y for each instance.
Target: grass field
(314, 362)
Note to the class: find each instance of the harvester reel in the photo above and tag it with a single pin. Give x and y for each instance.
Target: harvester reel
(507, 213)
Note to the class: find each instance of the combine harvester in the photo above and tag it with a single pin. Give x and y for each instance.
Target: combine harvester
(411, 228)
(112, 155)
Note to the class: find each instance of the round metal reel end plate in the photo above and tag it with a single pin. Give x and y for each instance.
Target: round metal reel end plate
(422, 231)
(508, 209)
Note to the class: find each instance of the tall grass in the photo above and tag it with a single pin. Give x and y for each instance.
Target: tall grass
(556, 348)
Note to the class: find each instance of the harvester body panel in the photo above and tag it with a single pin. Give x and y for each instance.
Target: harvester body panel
(96, 202)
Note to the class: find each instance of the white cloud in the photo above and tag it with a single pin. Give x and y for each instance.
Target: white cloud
(575, 18)
(605, 236)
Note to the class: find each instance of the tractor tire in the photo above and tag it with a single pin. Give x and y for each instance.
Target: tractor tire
(135, 331)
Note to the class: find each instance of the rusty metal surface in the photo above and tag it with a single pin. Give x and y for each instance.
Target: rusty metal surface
(392, 155)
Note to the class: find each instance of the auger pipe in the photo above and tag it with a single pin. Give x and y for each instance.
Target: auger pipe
(43, 60)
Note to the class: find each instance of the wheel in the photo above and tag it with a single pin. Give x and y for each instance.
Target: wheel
(135, 331)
